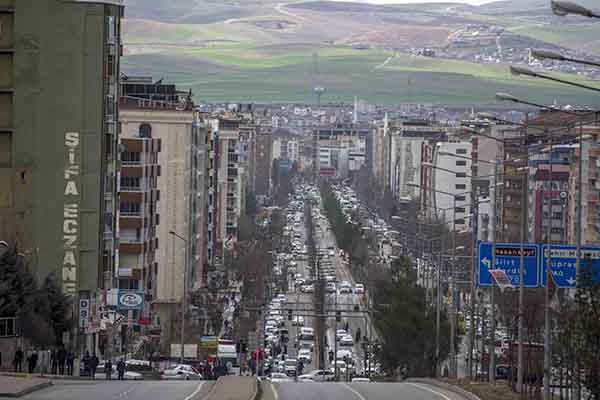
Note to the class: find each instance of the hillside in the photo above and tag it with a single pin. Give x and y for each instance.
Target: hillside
(262, 50)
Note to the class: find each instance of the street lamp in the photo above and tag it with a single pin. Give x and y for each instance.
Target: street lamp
(518, 71)
(563, 8)
(552, 55)
(184, 299)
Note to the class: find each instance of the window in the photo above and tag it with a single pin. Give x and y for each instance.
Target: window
(461, 198)
(8, 327)
(130, 182)
(131, 157)
(128, 208)
(461, 186)
(461, 151)
(461, 174)
(145, 131)
(461, 163)
(459, 209)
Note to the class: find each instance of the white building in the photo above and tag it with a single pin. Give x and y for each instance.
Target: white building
(452, 182)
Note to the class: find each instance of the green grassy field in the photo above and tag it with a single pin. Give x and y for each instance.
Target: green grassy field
(247, 73)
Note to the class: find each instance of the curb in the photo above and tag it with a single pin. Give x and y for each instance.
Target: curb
(29, 390)
(257, 390)
(443, 385)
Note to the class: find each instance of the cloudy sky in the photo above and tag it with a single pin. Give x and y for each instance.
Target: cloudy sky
(472, 2)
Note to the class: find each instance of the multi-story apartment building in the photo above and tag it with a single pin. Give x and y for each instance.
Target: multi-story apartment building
(342, 149)
(161, 112)
(227, 182)
(138, 217)
(59, 69)
(263, 163)
(450, 185)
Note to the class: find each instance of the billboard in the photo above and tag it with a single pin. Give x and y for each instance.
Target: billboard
(130, 300)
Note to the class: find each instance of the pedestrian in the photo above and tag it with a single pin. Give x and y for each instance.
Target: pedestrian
(121, 369)
(62, 359)
(32, 361)
(18, 360)
(54, 362)
(108, 369)
(70, 362)
(86, 363)
(93, 365)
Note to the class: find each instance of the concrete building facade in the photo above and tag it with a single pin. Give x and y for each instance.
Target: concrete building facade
(165, 114)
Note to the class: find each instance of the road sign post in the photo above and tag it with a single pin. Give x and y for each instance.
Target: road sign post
(508, 259)
(564, 264)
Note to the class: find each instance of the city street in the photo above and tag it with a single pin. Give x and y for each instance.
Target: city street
(360, 391)
(142, 390)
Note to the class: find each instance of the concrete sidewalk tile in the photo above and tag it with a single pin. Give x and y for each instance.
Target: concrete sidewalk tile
(20, 386)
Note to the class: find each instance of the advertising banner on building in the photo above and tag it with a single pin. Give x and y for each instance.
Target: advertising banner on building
(130, 300)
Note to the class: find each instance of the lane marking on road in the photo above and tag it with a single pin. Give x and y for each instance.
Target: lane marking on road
(126, 392)
(360, 396)
(195, 392)
(275, 394)
(429, 390)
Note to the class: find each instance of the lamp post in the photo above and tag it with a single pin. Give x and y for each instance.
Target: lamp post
(518, 71)
(184, 299)
(563, 8)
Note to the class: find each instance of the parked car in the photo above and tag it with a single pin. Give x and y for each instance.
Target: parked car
(129, 375)
(359, 288)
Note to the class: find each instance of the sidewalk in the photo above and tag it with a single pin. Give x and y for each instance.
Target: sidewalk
(234, 388)
(17, 387)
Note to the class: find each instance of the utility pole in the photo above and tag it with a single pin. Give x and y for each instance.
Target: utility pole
(452, 296)
(579, 228)
(438, 300)
(492, 345)
(549, 278)
(475, 201)
(520, 363)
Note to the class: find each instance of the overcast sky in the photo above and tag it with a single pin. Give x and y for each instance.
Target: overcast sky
(472, 2)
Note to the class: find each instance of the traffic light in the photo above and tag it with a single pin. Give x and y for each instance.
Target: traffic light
(289, 314)
(338, 316)
(331, 355)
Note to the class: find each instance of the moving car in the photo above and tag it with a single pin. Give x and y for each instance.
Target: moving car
(340, 334)
(279, 377)
(359, 288)
(290, 366)
(318, 375)
(181, 372)
(305, 355)
(298, 320)
(347, 340)
(129, 375)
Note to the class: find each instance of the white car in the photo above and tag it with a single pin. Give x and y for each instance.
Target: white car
(347, 341)
(298, 320)
(359, 288)
(279, 377)
(317, 375)
(360, 380)
(340, 334)
(305, 355)
(181, 372)
(129, 375)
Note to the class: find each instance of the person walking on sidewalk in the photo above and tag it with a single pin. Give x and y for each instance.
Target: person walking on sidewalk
(93, 365)
(18, 360)
(70, 362)
(62, 359)
(121, 369)
(108, 369)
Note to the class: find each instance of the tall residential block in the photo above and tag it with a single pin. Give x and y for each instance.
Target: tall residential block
(59, 69)
(159, 111)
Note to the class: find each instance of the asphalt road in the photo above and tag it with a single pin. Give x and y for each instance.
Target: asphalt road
(122, 390)
(359, 391)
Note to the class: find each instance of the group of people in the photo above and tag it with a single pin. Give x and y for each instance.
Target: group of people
(61, 361)
(91, 362)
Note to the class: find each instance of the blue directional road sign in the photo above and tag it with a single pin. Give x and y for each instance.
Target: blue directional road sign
(564, 264)
(508, 258)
